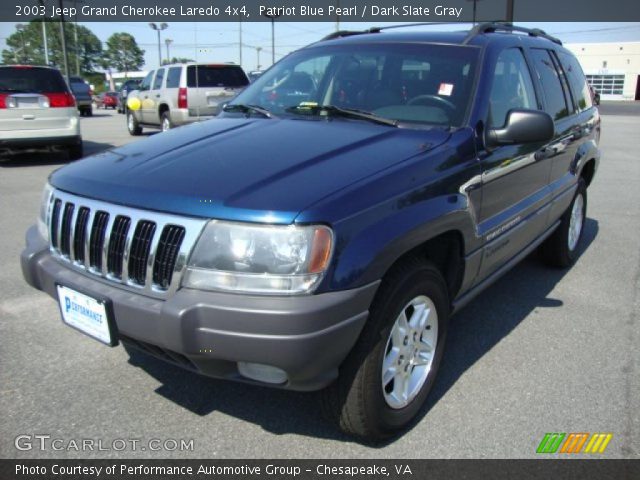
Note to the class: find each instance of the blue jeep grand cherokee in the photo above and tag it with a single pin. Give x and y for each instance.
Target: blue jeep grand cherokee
(323, 229)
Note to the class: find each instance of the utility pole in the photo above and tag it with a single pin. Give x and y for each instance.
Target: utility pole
(44, 37)
(240, 32)
(510, 8)
(44, 41)
(258, 54)
(75, 38)
(63, 42)
(20, 28)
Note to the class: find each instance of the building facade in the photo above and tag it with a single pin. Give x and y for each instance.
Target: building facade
(613, 69)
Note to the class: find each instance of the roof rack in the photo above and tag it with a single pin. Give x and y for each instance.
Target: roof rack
(348, 33)
(489, 27)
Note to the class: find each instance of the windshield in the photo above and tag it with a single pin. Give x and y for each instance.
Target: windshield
(410, 83)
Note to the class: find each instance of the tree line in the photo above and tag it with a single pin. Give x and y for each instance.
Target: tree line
(85, 56)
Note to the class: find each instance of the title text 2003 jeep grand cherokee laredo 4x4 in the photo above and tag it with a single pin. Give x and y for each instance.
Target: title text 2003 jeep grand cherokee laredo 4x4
(323, 229)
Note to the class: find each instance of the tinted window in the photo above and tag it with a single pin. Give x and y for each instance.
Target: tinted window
(146, 83)
(577, 80)
(30, 79)
(216, 76)
(556, 105)
(157, 83)
(512, 87)
(173, 77)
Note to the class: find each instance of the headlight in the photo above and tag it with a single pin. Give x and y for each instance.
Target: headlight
(43, 216)
(263, 259)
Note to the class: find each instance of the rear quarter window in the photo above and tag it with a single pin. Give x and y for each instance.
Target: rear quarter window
(30, 79)
(173, 77)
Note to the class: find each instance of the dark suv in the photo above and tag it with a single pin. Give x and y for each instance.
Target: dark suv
(321, 231)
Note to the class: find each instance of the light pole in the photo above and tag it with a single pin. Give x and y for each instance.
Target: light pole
(159, 28)
(20, 28)
(258, 54)
(273, 36)
(167, 42)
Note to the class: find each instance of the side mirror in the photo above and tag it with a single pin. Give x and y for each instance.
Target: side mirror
(522, 126)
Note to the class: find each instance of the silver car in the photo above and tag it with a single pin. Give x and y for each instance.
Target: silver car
(174, 95)
(37, 110)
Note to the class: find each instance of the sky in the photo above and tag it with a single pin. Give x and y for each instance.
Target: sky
(219, 42)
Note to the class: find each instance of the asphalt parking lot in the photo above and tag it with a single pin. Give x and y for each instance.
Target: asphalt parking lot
(540, 351)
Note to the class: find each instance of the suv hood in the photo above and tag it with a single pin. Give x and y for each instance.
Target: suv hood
(243, 169)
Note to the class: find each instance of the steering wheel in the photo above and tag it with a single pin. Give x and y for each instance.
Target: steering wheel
(432, 99)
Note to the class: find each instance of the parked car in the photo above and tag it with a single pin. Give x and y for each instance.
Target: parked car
(37, 110)
(123, 93)
(107, 100)
(595, 96)
(323, 242)
(82, 93)
(184, 93)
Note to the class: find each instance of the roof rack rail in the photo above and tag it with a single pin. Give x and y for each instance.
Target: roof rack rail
(348, 33)
(344, 33)
(489, 27)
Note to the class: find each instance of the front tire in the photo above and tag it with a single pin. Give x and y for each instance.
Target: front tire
(385, 380)
(132, 124)
(561, 248)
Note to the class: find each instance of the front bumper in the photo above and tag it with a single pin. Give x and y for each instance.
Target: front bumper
(306, 336)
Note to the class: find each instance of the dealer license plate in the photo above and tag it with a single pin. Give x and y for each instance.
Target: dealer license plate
(85, 313)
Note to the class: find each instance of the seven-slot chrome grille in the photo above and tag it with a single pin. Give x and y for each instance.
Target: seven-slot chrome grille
(139, 249)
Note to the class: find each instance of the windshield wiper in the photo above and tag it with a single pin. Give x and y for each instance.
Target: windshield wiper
(239, 107)
(344, 112)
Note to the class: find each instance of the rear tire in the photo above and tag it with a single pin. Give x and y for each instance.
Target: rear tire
(384, 382)
(561, 248)
(165, 121)
(132, 124)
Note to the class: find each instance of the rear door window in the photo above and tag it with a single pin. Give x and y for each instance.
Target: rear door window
(577, 80)
(31, 80)
(216, 76)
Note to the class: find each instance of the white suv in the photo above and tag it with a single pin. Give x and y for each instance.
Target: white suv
(174, 95)
(37, 110)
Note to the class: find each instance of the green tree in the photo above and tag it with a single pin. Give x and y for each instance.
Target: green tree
(27, 46)
(123, 53)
